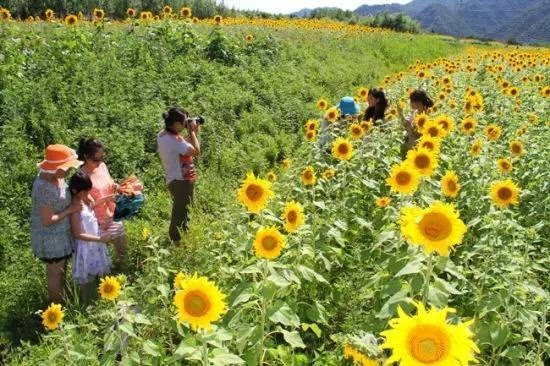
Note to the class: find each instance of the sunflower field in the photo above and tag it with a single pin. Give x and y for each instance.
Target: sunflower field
(308, 245)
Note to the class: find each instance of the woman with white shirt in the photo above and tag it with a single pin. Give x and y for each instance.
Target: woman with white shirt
(176, 154)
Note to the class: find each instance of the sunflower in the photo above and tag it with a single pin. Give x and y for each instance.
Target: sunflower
(363, 92)
(199, 303)
(254, 193)
(185, 12)
(145, 15)
(428, 339)
(429, 143)
(493, 132)
(423, 160)
(383, 201)
(329, 173)
(167, 10)
(4, 14)
(433, 129)
(311, 135)
(468, 125)
(533, 118)
(49, 14)
(356, 131)
(308, 176)
(218, 19)
(545, 92)
(109, 288)
(286, 163)
(512, 91)
(436, 228)
(322, 104)
(357, 357)
(131, 12)
(332, 114)
(99, 14)
(504, 193)
(504, 165)
(249, 38)
(311, 125)
(293, 216)
(367, 126)
(342, 149)
(268, 243)
(516, 148)
(476, 147)
(446, 122)
(52, 316)
(449, 184)
(195, 20)
(179, 280)
(271, 176)
(71, 19)
(403, 178)
(420, 120)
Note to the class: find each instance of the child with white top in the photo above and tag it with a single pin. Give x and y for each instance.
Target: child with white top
(91, 259)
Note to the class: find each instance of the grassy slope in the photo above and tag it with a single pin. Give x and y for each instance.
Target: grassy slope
(59, 85)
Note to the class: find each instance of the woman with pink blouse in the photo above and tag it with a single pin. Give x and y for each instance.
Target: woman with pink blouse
(92, 152)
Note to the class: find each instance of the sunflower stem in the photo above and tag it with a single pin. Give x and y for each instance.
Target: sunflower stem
(263, 311)
(429, 271)
(205, 361)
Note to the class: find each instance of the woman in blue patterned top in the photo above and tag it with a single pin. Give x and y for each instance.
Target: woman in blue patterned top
(51, 238)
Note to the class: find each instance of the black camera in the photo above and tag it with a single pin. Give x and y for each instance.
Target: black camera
(198, 120)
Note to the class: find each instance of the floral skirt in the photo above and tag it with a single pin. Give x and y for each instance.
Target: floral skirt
(91, 259)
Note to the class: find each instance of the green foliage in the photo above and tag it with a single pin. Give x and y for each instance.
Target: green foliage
(113, 82)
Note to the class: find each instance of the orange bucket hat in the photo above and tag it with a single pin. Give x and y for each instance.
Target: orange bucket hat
(58, 157)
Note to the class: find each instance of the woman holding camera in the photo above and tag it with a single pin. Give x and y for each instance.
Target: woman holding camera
(176, 154)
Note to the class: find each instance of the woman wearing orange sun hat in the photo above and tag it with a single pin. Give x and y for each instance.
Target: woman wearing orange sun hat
(51, 238)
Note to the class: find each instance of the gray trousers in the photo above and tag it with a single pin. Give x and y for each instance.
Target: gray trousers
(182, 197)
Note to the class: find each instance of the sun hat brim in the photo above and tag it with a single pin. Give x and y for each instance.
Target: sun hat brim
(49, 167)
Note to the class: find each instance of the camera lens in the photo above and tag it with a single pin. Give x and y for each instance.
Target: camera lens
(200, 120)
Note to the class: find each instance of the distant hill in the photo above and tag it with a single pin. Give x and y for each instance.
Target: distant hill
(524, 20)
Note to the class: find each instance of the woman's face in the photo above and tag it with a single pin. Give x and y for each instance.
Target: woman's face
(371, 100)
(96, 159)
(416, 105)
(82, 195)
(60, 173)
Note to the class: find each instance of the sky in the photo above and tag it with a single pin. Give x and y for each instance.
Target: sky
(290, 6)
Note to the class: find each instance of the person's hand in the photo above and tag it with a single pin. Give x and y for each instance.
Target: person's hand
(105, 238)
(192, 126)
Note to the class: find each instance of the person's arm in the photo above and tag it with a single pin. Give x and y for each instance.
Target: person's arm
(76, 229)
(103, 200)
(193, 129)
(48, 217)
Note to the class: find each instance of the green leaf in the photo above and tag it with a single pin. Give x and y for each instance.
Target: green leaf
(151, 348)
(186, 348)
(313, 327)
(142, 319)
(309, 274)
(446, 286)
(226, 359)
(163, 289)
(128, 328)
(282, 313)
(410, 268)
(278, 280)
(293, 338)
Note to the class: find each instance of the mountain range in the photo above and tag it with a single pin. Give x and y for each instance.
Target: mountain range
(526, 21)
